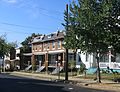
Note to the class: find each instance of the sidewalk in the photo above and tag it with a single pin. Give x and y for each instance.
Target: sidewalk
(89, 83)
(50, 77)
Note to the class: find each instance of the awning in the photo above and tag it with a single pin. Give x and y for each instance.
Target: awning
(27, 54)
(56, 51)
(35, 53)
(39, 53)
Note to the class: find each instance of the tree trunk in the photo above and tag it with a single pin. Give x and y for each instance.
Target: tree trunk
(98, 69)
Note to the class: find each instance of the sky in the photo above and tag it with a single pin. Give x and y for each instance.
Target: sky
(20, 18)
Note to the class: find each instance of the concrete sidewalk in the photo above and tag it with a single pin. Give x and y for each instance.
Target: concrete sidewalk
(55, 77)
(51, 77)
(89, 83)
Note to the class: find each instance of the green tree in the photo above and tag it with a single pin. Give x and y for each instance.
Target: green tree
(112, 23)
(71, 65)
(26, 47)
(4, 46)
(26, 44)
(93, 26)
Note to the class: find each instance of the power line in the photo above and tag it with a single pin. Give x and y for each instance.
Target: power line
(22, 26)
(39, 9)
(33, 5)
(53, 17)
(4, 30)
(53, 11)
(11, 31)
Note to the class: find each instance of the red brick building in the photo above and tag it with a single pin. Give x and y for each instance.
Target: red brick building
(48, 49)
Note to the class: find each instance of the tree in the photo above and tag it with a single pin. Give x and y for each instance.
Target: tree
(27, 43)
(4, 46)
(26, 47)
(93, 26)
(71, 65)
(112, 23)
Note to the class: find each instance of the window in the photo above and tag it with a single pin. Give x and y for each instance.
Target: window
(53, 44)
(62, 43)
(49, 36)
(71, 57)
(40, 47)
(44, 46)
(58, 44)
(117, 57)
(104, 58)
(48, 45)
(35, 47)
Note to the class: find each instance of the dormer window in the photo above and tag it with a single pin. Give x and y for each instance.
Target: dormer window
(49, 36)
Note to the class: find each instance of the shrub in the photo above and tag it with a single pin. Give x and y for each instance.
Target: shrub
(82, 67)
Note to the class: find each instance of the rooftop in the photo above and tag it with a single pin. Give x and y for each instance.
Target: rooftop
(52, 36)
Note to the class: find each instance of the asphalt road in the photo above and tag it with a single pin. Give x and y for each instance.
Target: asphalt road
(10, 83)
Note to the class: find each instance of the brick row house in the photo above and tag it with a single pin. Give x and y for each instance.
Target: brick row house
(48, 50)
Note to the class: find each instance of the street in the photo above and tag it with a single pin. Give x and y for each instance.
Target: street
(10, 83)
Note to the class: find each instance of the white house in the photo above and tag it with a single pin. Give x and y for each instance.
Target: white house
(88, 59)
(14, 62)
(105, 61)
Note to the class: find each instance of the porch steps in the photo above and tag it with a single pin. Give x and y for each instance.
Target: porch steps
(57, 70)
(91, 70)
(28, 68)
(40, 69)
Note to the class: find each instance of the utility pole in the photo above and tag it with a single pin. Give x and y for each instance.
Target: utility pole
(66, 63)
